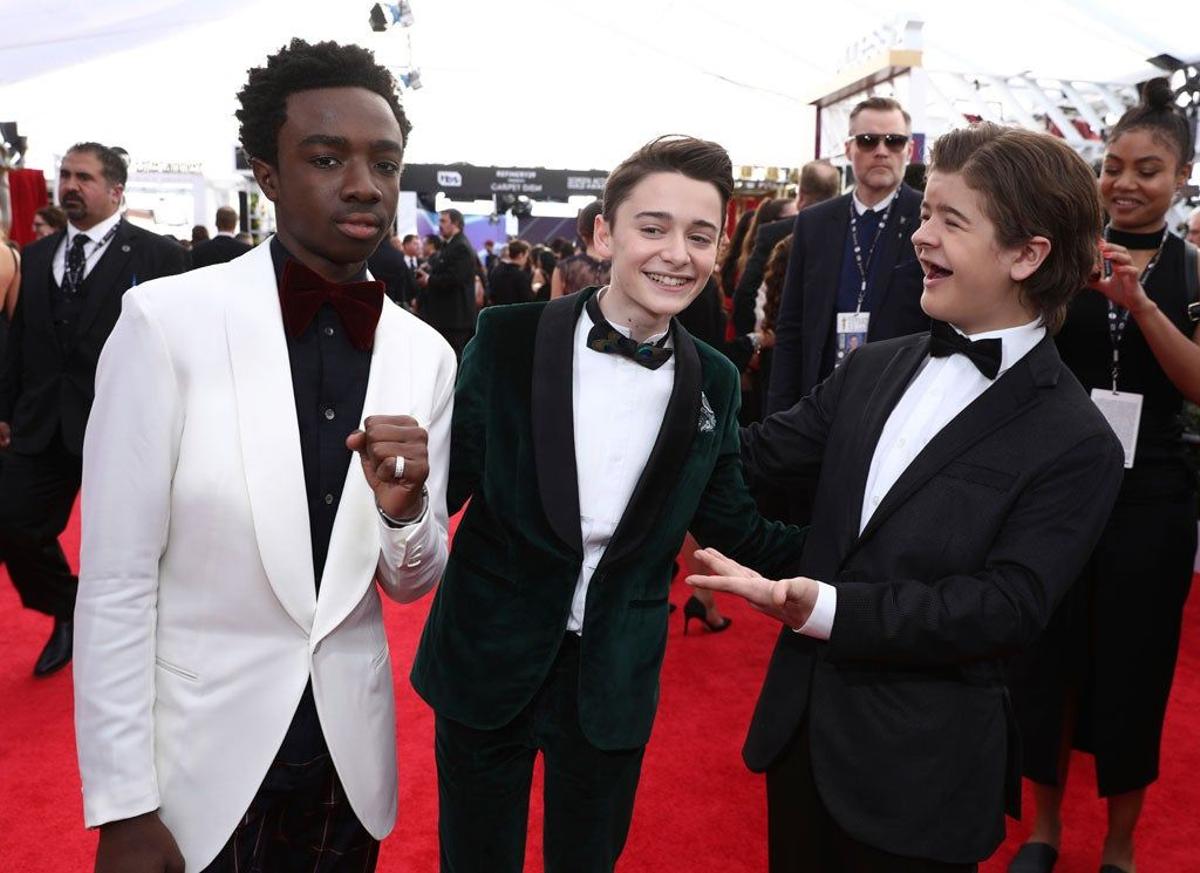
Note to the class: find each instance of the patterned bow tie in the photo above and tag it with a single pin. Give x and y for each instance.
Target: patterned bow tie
(984, 354)
(358, 304)
(605, 338)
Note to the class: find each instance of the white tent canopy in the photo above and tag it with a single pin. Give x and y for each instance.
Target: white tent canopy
(557, 83)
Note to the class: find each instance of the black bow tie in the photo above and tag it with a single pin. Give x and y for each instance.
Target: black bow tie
(984, 354)
(605, 338)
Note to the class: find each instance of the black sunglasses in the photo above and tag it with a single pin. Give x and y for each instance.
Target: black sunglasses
(895, 142)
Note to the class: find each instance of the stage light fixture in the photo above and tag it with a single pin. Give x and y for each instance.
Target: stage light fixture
(384, 15)
(411, 80)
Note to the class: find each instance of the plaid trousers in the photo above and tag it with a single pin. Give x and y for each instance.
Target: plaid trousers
(299, 822)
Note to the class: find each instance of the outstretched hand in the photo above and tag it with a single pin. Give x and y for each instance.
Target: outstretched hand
(389, 444)
(1124, 286)
(791, 601)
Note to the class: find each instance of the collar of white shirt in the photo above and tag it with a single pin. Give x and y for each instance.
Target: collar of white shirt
(96, 232)
(1015, 342)
(228, 233)
(860, 207)
(627, 332)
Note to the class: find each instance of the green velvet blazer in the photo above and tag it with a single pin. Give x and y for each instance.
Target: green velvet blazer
(501, 611)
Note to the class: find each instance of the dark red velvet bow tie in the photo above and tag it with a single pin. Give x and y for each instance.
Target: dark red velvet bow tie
(358, 304)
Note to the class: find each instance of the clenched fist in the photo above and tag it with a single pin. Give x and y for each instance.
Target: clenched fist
(394, 451)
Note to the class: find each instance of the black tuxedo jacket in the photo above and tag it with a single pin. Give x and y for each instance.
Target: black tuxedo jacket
(501, 612)
(960, 566)
(45, 385)
(448, 300)
(218, 250)
(807, 310)
(746, 293)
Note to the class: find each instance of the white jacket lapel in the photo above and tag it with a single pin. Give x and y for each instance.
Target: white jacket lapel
(270, 436)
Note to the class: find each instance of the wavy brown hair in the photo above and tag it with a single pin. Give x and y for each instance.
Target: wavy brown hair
(773, 278)
(1032, 184)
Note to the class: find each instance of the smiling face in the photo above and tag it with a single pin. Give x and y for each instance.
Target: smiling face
(1139, 180)
(84, 194)
(337, 181)
(663, 244)
(971, 281)
(879, 170)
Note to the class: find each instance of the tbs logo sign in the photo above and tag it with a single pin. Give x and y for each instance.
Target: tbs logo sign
(449, 178)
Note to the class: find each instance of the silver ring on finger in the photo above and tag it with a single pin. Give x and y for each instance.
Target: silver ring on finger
(398, 473)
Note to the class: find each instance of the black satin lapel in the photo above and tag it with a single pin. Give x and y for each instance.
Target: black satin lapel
(1006, 398)
(883, 399)
(102, 281)
(37, 307)
(554, 417)
(670, 452)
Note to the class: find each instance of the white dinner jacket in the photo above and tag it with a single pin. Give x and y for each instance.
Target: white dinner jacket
(198, 624)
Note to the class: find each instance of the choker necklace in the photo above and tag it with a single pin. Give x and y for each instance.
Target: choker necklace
(1130, 240)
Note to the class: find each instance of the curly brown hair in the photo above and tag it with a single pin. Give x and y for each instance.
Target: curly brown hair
(773, 278)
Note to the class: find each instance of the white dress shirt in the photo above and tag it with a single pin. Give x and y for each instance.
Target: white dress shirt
(942, 389)
(618, 407)
(91, 250)
(860, 207)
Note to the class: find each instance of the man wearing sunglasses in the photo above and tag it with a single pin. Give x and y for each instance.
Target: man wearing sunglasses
(853, 276)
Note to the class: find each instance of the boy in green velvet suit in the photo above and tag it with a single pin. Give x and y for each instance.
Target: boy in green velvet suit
(591, 433)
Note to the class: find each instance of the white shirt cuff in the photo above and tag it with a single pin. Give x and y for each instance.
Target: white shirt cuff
(820, 621)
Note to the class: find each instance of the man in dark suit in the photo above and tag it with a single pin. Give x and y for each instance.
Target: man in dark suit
(819, 181)
(447, 297)
(387, 264)
(590, 433)
(965, 477)
(852, 270)
(511, 281)
(223, 247)
(71, 288)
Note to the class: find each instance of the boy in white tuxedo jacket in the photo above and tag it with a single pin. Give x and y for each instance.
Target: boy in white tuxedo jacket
(233, 687)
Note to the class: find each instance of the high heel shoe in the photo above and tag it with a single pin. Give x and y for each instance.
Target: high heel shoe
(693, 608)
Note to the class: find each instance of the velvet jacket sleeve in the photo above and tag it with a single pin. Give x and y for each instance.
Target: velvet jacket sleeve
(727, 517)
(468, 433)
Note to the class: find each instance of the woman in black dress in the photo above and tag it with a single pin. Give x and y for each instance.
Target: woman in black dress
(1099, 678)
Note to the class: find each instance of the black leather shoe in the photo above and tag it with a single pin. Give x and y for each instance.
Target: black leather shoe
(1034, 858)
(57, 653)
(1112, 868)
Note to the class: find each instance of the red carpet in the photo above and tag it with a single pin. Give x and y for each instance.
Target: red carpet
(698, 808)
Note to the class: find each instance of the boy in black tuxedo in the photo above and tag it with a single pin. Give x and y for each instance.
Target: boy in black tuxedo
(964, 478)
(591, 433)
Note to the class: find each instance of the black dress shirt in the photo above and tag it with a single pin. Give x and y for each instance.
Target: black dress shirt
(329, 381)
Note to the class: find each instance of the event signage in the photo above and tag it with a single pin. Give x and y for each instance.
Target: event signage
(469, 182)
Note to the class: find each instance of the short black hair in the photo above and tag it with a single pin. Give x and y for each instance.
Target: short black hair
(301, 66)
(112, 165)
(456, 217)
(585, 221)
(407, 238)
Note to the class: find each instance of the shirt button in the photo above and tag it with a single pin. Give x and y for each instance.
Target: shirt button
(329, 413)
(874, 501)
(328, 331)
(328, 499)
